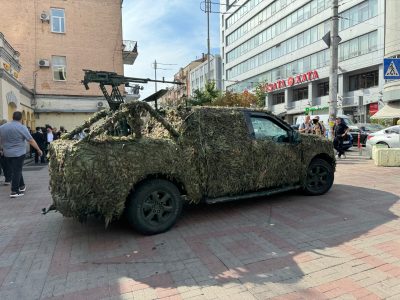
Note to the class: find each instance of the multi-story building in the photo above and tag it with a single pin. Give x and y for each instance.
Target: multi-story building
(279, 43)
(179, 93)
(13, 94)
(198, 77)
(56, 39)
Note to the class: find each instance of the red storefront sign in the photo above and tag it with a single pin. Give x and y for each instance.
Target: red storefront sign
(373, 108)
(291, 81)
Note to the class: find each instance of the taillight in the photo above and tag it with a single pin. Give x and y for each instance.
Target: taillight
(369, 136)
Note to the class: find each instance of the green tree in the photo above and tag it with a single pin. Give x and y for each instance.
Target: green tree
(206, 96)
(244, 99)
(261, 94)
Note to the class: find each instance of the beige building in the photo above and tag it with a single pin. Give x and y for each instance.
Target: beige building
(177, 94)
(56, 39)
(13, 94)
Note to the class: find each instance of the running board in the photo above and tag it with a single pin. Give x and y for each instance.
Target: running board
(251, 195)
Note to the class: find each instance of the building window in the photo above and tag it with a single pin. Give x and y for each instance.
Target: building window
(300, 94)
(59, 66)
(363, 81)
(358, 46)
(278, 98)
(57, 20)
(323, 89)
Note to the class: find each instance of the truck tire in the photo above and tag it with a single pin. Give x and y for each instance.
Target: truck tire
(320, 176)
(154, 207)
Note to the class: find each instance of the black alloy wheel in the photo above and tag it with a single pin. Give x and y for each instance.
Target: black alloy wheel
(320, 177)
(154, 207)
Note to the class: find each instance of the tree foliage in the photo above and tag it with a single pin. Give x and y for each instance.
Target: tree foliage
(244, 99)
(212, 97)
(261, 94)
(206, 96)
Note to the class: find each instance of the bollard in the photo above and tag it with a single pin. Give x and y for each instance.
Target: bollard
(359, 144)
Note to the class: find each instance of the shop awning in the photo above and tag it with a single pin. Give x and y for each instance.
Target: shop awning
(391, 110)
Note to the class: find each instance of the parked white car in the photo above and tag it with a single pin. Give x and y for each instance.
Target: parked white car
(389, 137)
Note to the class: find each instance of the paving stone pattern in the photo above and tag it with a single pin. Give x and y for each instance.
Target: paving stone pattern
(343, 245)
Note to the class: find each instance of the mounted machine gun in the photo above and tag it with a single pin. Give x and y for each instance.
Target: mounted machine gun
(114, 80)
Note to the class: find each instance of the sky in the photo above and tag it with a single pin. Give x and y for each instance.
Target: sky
(169, 31)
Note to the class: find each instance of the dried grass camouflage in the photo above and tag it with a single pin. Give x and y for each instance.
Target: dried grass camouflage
(207, 152)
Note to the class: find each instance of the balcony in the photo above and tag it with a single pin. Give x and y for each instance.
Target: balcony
(129, 52)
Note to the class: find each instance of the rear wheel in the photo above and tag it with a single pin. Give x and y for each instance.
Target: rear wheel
(320, 177)
(154, 207)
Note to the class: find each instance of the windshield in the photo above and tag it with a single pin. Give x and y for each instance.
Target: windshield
(375, 126)
(347, 121)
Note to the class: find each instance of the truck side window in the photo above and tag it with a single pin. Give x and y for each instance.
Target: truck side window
(265, 129)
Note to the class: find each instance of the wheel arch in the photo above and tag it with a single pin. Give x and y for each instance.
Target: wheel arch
(168, 177)
(324, 156)
(383, 143)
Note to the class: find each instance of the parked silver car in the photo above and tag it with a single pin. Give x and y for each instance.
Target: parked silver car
(389, 137)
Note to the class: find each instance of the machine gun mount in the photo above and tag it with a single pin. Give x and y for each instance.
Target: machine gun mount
(114, 80)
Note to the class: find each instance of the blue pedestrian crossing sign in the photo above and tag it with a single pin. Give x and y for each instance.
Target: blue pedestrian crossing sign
(391, 68)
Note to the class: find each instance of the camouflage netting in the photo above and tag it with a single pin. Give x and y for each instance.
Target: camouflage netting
(207, 150)
(232, 162)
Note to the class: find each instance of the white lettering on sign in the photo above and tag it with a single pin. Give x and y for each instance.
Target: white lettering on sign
(291, 81)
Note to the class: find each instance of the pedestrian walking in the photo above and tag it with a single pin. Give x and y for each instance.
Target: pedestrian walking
(340, 131)
(56, 134)
(13, 137)
(39, 138)
(4, 168)
(318, 127)
(49, 137)
(306, 126)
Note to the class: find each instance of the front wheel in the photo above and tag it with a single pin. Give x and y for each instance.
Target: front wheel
(320, 177)
(154, 207)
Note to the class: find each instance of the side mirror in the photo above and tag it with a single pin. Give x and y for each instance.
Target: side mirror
(296, 137)
(387, 131)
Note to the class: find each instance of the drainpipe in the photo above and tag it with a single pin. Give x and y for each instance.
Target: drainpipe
(34, 89)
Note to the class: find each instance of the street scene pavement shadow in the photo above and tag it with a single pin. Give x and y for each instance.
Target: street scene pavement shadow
(254, 241)
(252, 246)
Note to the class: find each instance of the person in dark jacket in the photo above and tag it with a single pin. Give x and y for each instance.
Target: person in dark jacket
(40, 139)
(340, 130)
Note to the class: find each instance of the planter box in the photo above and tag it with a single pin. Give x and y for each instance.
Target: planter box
(375, 148)
(387, 157)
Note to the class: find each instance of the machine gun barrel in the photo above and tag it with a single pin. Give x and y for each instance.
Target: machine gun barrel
(113, 79)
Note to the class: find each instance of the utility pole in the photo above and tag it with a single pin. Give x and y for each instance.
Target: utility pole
(208, 10)
(333, 70)
(156, 67)
(155, 76)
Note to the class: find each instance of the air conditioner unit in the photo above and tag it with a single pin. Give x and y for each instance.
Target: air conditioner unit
(100, 104)
(44, 16)
(44, 63)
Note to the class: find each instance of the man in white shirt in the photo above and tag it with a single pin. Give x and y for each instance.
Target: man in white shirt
(50, 136)
(13, 136)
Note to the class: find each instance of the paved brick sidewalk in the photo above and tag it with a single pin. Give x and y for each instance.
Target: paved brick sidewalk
(345, 245)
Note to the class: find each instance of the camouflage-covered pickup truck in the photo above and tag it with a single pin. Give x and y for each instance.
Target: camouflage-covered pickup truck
(209, 154)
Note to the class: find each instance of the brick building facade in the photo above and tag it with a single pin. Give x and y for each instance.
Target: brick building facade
(56, 40)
